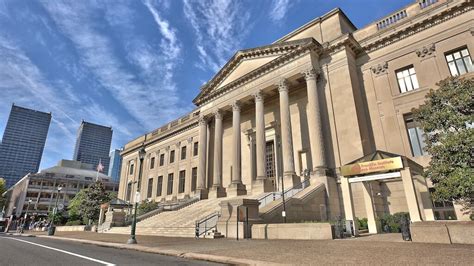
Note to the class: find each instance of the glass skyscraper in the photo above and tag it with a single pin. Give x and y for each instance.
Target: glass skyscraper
(23, 142)
(115, 165)
(93, 145)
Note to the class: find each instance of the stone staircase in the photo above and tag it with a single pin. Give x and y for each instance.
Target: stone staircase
(178, 223)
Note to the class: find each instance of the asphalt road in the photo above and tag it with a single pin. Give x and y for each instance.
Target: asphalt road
(40, 251)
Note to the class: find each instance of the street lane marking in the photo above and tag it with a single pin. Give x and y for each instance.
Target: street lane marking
(63, 251)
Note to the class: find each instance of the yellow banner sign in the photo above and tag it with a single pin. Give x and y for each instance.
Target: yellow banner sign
(373, 166)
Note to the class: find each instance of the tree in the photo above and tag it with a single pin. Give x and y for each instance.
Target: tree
(2, 190)
(86, 203)
(74, 208)
(447, 119)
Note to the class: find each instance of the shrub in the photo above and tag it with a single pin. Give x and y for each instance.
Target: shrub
(74, 222)
(363, 223)
(391, 223)
(146, 206)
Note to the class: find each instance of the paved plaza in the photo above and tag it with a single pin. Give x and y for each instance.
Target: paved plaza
(379, 249)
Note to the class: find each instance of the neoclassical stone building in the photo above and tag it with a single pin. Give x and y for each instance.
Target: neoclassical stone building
(321, 97)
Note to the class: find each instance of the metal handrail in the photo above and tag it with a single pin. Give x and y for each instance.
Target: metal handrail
(206, 224)
(290, 192)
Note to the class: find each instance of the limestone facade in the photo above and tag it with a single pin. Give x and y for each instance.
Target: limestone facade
(318, 98)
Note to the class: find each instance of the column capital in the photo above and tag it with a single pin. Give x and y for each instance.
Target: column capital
(283, 85)
(190, 140)
(258, 96)
(311, 73)
(236, 106)
(217, 114)
(202, 120)
(178, 144)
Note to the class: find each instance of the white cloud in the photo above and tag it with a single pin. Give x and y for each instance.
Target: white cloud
(142, 94)
(220, 27)
(279, 9)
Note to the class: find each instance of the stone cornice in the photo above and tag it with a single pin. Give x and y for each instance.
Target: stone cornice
(298, 48)
(173, 132)
(343, 42)
(380, 41)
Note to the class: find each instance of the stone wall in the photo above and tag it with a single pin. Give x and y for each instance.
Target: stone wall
(443, 232)
(292, 231)
(73, 228)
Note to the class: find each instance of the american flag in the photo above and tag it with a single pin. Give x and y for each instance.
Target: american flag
(100, 166)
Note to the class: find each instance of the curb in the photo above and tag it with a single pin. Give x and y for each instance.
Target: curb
(167, 252)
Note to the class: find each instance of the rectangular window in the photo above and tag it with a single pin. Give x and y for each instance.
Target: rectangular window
(194, 174)
(459, 62)
(183, 153)
(416, 137)
(172, 156)
(195, 148)
(407, 80)
(162, 159)
(159, 186)
(129, 191)
(182, 177)
(149, 191)
(170, 184)
(152, 163)
(131, 169)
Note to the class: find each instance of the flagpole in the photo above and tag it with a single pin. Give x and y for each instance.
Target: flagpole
(97, 173)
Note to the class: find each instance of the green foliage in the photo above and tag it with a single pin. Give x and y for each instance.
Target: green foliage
(363, 223)
(74, 222)
(57, 218)
(447, 119)
(146, 206)
(86, 204)
(391, 222)
(2, 190)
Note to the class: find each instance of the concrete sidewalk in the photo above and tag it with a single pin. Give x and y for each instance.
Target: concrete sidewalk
(260, 252)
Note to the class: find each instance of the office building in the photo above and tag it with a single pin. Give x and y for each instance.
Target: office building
(23, 143)
(93, 144)
(115, 164)
(42, 188)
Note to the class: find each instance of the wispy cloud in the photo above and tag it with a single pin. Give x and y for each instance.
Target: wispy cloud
(279, 9)
(220, 27)
(139, 93)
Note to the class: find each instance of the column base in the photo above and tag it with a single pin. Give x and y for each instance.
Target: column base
(291, 180)
(236, 189)
(202, 193)
(263, 185)
(217, 192)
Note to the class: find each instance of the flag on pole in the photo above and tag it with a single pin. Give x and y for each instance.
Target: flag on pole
(100, 168)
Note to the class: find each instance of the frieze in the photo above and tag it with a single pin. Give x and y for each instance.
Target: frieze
(380, 68)
(426, 51)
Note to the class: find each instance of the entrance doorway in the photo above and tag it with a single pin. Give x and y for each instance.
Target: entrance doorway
(270, 162)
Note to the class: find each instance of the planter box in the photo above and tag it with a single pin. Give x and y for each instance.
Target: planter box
(301, 231)
(72, 228)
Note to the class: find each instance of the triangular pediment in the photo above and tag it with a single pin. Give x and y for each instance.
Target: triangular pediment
(247, 61)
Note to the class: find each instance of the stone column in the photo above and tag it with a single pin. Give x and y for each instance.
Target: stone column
(236, 187)
(262, 183)
(189, 158)
(369, 207)
(289, 174)
(348, 203)
(314, 124)
(217, 191)
(176, 171)
(201, 189)
(410, 195)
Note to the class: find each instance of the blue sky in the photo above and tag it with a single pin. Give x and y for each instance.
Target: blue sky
(135, 65)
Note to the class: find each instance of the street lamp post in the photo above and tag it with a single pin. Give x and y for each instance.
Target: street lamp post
(26, 215)
(141, 156)
(52, 228)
